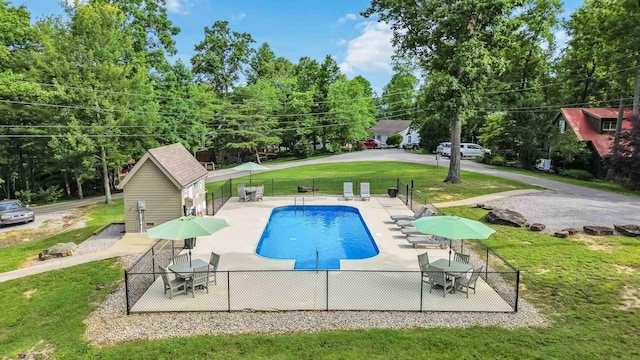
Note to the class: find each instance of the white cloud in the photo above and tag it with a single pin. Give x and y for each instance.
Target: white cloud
(238, 17)
(72, 3)
(371, 51)
(177, 6)
(346, 18)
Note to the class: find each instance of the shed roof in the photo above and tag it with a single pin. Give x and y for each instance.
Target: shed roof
(390, 127)
(602, 142)
(175, 162)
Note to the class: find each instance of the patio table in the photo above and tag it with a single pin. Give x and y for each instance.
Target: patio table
(453, 268)
(184, 271)
(251, 191)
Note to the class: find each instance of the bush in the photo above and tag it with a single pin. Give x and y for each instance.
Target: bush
(577, 174)
(26, 196)
(358, 147)
(303, 149)
(498, 160)
(484, 158)
(51, 194)
(394, 140)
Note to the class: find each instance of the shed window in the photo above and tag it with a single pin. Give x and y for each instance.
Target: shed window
(609, 125)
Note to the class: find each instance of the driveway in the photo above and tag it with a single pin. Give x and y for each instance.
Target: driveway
(563, 205)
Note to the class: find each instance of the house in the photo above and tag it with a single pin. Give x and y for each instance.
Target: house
(596, 127)
(166, 183)
(384, 128)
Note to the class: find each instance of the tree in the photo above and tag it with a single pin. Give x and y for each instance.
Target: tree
(351, 113)
(399, 96)
(455, 44)
(626, 162)
(259, 64)
(221, 56)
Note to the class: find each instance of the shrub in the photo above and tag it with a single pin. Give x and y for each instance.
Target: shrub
(394, 140)
(498, 160)
(26, 196)
(484, 158)
(358, 146)
(577, 174)
(51, 194)
(303, 149)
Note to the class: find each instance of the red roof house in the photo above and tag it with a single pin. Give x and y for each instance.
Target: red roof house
(595, 126)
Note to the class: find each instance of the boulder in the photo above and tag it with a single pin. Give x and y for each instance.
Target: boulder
(536, 227)
(506, 217)
(302, 189)
(561, 234)
(58, 250)
(628, 230)
(598, 230)
(571, 231)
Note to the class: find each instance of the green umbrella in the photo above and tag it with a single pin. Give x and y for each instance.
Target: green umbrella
(187, 227)
(250, 166)
(452, 227)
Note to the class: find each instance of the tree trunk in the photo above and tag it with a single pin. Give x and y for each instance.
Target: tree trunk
(79, 186)
(105, 175)
(453, 177)
(67, 185)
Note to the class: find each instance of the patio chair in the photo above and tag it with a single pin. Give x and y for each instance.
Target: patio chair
(183, 258)
(200, 278)
(423, 262)
(438, 277)
(242, 193)
(213, 265)
(259, 193)
(460, 257)
(417, 215)
(365, 191)
(348, 191)
(464, 284)
(174, 285)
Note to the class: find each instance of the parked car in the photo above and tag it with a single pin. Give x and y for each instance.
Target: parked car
(412, 145)
(371, 144)
(442, 146)
(13, 211)
(467, 150)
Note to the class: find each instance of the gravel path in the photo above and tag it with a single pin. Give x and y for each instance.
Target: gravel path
(557, 210)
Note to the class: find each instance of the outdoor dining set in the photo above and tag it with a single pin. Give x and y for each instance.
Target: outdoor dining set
(451, 275)
(189, 275)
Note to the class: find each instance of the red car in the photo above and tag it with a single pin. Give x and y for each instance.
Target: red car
(371, 144)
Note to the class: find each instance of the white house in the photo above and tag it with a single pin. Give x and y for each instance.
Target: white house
(384, 128)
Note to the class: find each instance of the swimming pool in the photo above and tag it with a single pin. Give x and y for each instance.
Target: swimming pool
(331, 232)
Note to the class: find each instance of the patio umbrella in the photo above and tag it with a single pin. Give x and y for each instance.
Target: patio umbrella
(250, 166)
(187, 227)
(453, 228)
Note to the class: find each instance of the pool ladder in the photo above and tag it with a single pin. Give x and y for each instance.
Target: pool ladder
(317, 258)
(295, 201)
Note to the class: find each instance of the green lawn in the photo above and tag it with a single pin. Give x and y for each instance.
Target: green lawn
(588, 287)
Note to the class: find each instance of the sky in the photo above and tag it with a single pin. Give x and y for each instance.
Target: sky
(292, 28)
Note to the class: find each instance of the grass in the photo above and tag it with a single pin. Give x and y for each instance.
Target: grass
(12, 257)
(587, 286)
(328, 179)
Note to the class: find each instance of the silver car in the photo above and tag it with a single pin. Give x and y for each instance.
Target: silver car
(12, 212)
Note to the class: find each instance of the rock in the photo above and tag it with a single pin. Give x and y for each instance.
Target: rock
(536, 227)
(506, 217)
(305, 189)
(628, 230)
(58, 250)
(571, 231)
(597, 230)
(561, 234)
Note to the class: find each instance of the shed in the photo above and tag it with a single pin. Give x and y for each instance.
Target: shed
(384, 128)
(164, 184)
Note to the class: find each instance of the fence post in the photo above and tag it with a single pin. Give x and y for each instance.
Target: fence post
(326, 273)
(517, 289)
(486, 267)
(313, 187)
(153, 263)
(126, 291)
(272, 187)
(228, 291)
(213, 202)
(412, 194)
(422, 289)
(407, 201)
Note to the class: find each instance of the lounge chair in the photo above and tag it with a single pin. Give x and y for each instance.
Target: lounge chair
(365, 193)
(464, 284)
(438, 277)
(200, 278)
(348, 191)
(416, 240)
(417, 215)
(213, 266)
(411, 231)
(407, 223)
(172, 286)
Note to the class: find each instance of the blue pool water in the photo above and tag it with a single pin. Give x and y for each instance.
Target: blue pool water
(336, 232)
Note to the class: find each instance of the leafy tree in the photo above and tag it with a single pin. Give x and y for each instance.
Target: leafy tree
(259, 63)
(399, 96)
(351, 113)
(626, 162)
(455, 44)
(394, 140)
(221, 56)
(571, 153)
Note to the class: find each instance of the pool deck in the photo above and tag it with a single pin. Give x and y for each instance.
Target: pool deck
(389, 289)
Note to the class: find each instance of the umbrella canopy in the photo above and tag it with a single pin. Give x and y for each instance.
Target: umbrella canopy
(187, 227)
(452, 227)
(249, 166)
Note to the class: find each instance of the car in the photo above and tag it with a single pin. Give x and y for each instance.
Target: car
(13, 212)
(467, 150)
(371, 144)
(441, 147)
(411, 145)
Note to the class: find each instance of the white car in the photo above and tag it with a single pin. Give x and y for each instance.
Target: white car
(467, 150)
(442, 146)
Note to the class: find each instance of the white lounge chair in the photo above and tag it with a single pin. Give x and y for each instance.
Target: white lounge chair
(365, 193)
(416, 240)
(348, 191)
(417, 215)
(407, 223)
